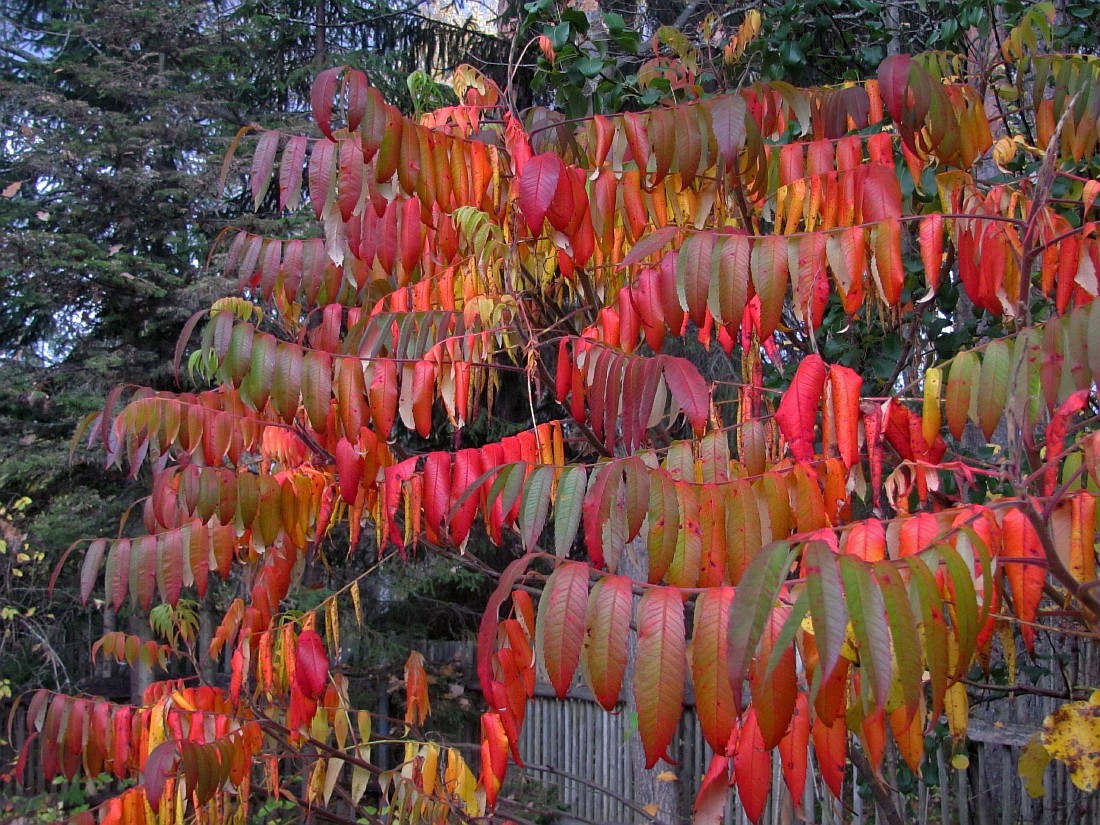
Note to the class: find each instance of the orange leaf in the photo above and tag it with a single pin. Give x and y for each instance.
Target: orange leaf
(1025, 569)
(417, 705)
(660, 669)
(710, 667)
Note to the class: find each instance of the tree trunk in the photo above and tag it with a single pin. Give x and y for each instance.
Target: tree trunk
(320, 22)
(141, 675)
(207, 666)
(105, 667)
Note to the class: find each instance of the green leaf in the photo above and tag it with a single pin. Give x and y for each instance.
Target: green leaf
(787, 633)
(568, 507)
(751, 607)
(827, 606)
(966, 606)
(903, 632)
(922, 586)
(589, 66)
(535, 505)
(866, 608)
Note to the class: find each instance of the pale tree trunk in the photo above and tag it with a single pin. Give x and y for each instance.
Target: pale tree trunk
(104, 667)
(891, 21)
(141, 676)
(647, 789)
(207, 666)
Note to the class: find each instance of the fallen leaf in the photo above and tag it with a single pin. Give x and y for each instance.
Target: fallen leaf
(1033, 764)
(11, 189)
(1072, 735)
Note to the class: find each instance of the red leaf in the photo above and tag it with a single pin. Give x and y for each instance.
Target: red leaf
(559, 628)
(830, 747)
(689, 389)
(655, 241)
(437, 493)
(710, 802)
(494, 756)
(320, 98)
(90, 570)
(797, 413)
(349, 470)
(311, 666)
(163, 761)
(351, 177)
(793, 750)
(538, 184)
(467, 467)
(659, 670)
(693, 274)
(752, 768)
(170, 564)
(931, 248)
(263, 162)
(290, 172)
(893, 81)
(321, 161)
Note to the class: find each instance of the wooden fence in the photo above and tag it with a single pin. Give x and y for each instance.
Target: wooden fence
(576, 748)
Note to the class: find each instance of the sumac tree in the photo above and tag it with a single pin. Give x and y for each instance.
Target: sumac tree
(733, 486)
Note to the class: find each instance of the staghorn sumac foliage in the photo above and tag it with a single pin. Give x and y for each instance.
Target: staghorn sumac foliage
(823, 553)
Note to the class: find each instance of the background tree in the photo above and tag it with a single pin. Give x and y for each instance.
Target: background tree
(115, 121)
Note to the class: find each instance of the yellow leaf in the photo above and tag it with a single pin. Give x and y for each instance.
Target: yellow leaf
(651, 809)
(958, 709)
(960, 761)
(666, 776)
(1072, 735)
(1033, 764)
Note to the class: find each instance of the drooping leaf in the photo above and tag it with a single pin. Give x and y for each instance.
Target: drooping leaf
(538, 185)
(868, 613)
(828, 609)
(797, 412)
(751, 606)
(559, 626)
(752, 768)
(660, 669)
(606, 635)
(311, 665)
(714, 700)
